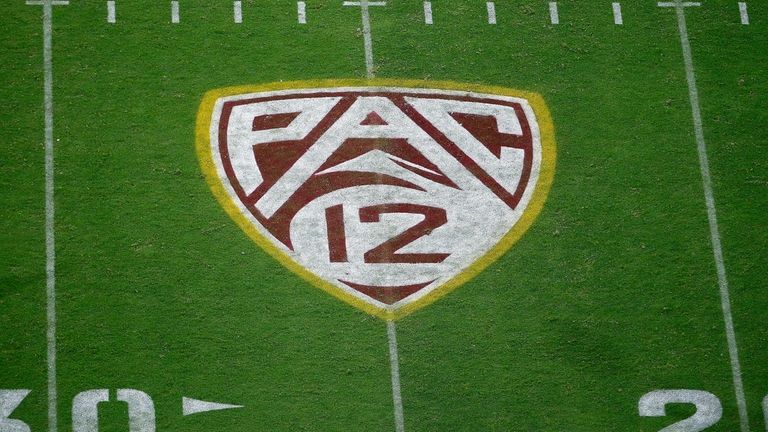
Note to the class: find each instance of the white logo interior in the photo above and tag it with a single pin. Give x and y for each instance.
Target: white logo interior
(385, 193)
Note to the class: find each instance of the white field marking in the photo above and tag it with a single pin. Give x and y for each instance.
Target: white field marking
(765, 412)
(394, 364)
(360, 3)
(709, 410)
(725, 300)
(743, 13)
(193, 406)
(367, 41)
(85, 412)
(428, 12)
(52, 2)
(141, 410)
(238, 12)
(678, 4)
(111, 15)
(50, 235)
(301, 10)
(553, 15)
(310, 247)
(9, 401)
(491, 12)
(617, 18)
(175, 12)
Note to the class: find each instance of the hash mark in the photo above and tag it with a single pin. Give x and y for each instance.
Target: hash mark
(743, 13)
(617, 18)
(175, 12)
(491, 12)
(238, 11)
(553, 14)
(111, 16)
(302, 11)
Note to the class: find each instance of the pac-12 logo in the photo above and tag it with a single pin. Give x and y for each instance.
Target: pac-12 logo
(386, 194)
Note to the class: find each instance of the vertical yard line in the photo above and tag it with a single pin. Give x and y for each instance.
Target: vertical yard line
(367, 41)
(427, 12)
(394, 364)
(725, 300)
(50, 243)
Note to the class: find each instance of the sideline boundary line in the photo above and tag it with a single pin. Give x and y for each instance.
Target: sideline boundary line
(725, 298)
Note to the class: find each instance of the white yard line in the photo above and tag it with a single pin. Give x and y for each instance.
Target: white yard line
(427, 12)
(617, 18)
(367, 40)
(553, 14)
(714, 231)
(301, 10)
(394, 364)
(744, 18)
(238, 12)
(491, 12)
(175, 12)
(111, 14)
(50, 234)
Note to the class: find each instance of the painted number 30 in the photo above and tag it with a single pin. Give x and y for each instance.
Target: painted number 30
(141, 411)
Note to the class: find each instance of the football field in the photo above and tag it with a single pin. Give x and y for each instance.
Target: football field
(619, 284)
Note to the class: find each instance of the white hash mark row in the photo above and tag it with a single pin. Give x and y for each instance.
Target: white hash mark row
(301, 11)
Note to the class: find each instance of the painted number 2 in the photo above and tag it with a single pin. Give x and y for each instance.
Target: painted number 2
(386, 252)
(708, 408)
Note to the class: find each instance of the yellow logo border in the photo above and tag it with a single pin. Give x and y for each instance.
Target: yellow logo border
(544, 184)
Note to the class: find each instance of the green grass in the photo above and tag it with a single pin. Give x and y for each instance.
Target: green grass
(612, 293)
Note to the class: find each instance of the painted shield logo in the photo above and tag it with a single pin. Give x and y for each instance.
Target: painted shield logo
(386, 194)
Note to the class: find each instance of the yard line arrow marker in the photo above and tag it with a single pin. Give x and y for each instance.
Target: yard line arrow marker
(193, 406)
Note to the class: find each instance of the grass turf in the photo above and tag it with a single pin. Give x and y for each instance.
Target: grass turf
(611, 294)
